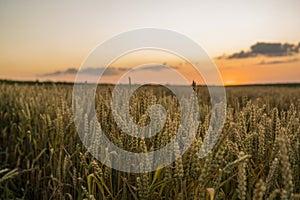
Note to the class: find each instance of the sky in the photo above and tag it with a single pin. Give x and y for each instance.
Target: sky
(40, 38)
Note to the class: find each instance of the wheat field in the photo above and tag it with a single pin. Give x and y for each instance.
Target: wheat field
(257, 155)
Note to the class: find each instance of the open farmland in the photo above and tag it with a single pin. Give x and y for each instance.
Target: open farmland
(257, 155)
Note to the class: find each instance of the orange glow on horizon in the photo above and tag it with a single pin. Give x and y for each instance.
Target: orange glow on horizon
(241, 71)
(260, 70)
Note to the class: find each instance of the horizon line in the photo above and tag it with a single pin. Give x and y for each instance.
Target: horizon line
(11, 81)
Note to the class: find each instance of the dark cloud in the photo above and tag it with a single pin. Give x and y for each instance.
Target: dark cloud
(267, 49)
(274, 62)
(71, 71)
(53, 73)
(241, 54)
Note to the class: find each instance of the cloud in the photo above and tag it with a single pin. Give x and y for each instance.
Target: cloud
(57, 73)
(88, 71)
(106, 71)
(267, 49)
(241, 54)
(273, 62)
(96, 71)
(154, 68)
(71, 71)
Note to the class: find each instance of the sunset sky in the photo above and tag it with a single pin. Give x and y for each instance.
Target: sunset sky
(40, 38)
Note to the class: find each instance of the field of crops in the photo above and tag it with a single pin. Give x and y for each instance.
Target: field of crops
(257, 155)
